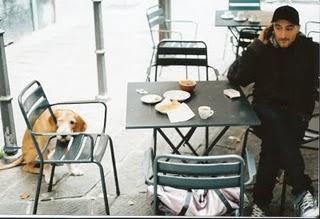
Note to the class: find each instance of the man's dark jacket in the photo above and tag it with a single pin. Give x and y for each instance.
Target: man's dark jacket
(284, 77)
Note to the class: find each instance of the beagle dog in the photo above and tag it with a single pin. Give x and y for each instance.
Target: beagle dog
(67, 121)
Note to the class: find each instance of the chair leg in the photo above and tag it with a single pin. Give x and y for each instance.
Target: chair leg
(51, 177)
(154, 143)
(283, 193)
(104, 189)
(36, 198)
(114, 167)
(207, 137)
(149, 67)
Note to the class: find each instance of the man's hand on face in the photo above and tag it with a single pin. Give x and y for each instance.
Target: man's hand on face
(265, 34)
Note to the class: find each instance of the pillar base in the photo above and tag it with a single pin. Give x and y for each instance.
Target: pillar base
(103, 98)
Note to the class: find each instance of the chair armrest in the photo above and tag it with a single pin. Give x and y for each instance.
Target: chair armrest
(147, 166)
(251, 165)
(186, 21)
(87, 102)
(216, 72)
(169, 31)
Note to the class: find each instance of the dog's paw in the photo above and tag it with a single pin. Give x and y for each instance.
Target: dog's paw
(74, 171)
(47, 179)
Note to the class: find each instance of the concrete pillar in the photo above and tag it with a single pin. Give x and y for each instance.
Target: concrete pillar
(34, 12)
(166, 6)
(9, 134)
(100, 52)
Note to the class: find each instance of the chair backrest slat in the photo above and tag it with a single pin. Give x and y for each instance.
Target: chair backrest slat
(244, 5)
(33, 98)
(151, 13)
(36, 112)
(188, 53)
(182, 51)
(156, 21)
(199, 168)
(199, 182)
(206, 172)
(178, 62)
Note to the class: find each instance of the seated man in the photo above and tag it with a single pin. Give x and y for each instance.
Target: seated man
(284, 66)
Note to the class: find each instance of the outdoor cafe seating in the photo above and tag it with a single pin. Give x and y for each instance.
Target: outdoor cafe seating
(82, 148)
(162, 28)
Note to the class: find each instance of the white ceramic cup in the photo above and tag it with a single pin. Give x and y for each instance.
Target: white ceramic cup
(240, 14)
(227, 13)
(205, 112)
(253, 18)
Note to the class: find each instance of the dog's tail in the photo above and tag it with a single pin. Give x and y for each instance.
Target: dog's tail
(13, 164)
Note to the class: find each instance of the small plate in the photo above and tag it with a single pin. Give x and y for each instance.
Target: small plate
(178, 95)
(238, 19)
(253, 21)
(227, 16)
(151, 98)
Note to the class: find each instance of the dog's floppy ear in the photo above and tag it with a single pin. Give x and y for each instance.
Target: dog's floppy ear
(52, 121)
(81, 125)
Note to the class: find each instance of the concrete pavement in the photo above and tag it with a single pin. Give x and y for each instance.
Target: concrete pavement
(62, 58)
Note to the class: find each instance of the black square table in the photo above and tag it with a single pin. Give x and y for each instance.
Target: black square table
(263, 16)
(227, 112)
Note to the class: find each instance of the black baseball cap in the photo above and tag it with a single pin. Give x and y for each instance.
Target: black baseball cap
(286, 13)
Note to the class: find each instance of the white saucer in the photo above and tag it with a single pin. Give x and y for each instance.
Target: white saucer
(151, 98)
(238, 19)
(227, 16)
(178, 95)
(254, 21)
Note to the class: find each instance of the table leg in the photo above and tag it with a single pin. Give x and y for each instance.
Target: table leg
(216, 140)
(185, 138)
(186, 141)
(154, 143)
(174, 148)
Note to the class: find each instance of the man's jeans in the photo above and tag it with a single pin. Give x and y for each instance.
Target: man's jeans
(281, 133)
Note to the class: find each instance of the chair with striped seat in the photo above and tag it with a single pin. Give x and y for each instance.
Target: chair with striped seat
(82, 148)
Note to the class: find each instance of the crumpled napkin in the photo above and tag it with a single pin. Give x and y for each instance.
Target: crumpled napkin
(180, 114)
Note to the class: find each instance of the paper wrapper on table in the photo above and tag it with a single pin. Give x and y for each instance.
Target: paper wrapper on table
(180, 114)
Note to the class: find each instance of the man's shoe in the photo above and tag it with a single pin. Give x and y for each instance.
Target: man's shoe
(258, 211)
(305, 205)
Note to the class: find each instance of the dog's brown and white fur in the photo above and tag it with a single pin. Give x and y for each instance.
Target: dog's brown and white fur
(67, 121)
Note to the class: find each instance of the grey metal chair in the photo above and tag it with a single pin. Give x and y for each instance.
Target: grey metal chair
(247, 34)
(244, 38)
(191, 172)
(312, 29)
(158, 24)
(183, 53)
(83, 148)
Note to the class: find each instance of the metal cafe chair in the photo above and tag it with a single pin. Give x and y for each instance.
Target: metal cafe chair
(191, 172)
(184, 53)
(312, 29)
(83, 148)
(244, 38)
(247, 34)
(158, 24)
